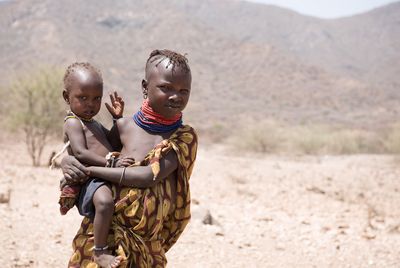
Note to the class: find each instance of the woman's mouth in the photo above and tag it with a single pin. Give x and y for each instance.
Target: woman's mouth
(174, 107)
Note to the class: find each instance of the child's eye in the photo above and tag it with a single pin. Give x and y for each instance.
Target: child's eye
(98, 98)
(83, 98)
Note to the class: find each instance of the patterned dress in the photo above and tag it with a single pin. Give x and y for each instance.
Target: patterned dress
(143, 227)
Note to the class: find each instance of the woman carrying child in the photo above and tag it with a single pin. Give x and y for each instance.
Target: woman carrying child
(152, 197)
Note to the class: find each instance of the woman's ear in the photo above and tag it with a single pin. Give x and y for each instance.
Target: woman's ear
(66, 96)
(144, 84)
(144, 88)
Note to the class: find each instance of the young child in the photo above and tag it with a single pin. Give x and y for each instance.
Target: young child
(89, 142)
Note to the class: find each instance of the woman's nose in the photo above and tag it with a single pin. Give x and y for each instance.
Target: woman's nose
(174, 97)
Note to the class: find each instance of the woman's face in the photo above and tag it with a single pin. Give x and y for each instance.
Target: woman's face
(168, 90)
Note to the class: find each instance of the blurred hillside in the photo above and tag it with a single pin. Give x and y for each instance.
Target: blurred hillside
(249, 61)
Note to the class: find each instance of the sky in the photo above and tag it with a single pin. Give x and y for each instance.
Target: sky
(328, 8)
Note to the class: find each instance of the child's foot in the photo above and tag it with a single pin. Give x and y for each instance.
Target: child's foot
(105, 260)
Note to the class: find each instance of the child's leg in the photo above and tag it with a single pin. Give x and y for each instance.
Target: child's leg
(104, 209)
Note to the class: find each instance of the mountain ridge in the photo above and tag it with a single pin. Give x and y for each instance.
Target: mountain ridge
(278, 63)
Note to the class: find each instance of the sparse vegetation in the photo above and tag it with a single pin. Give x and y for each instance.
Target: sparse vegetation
(273, 137)
(35, 108)
(263, 138)
(392, 140)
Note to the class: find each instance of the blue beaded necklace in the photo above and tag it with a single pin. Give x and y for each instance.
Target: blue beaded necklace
(152, 122)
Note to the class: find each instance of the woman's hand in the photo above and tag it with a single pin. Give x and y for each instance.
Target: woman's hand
(73, 170)
(116, 108)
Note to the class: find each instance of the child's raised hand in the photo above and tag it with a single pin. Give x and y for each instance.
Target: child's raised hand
(116, 108)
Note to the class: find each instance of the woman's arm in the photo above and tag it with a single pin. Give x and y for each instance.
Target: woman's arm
(140, 176)
(73, 170)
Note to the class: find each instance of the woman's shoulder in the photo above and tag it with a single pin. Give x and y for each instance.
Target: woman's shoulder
(185, 133)
(187, 129)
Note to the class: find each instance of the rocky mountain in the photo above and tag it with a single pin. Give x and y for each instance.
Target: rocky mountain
(249, 61)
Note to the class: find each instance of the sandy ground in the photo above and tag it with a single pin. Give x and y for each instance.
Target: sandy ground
(258, 211)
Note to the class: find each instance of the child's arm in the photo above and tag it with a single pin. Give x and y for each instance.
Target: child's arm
(113, 137)
(116, 109)
(74, 131)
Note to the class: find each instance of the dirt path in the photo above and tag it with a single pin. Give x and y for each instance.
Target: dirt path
(271, 211)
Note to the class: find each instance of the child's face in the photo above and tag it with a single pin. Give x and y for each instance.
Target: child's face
(168, 92)
(84, 95)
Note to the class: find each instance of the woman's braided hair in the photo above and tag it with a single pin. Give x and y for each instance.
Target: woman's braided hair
(175, 59)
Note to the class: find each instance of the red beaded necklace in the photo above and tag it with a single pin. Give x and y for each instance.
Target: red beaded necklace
(149, 113)
(151, 121)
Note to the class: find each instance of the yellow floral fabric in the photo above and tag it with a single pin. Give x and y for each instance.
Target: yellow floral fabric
(143, 227)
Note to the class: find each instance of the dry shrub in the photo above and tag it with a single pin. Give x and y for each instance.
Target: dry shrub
(272, 137)
(391, 140)
(36, 108)
(306, 139)
(215, 133)
(264, 137)
(320, 139)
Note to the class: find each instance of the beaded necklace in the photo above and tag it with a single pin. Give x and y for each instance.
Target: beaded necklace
(71, 114)
(149, 120)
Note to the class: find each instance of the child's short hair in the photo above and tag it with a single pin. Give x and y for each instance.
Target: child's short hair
(80, 65)
(175, 59)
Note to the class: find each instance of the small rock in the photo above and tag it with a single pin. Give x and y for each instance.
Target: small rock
(5, 195)
(208, 219)
(315, 190)
(280, 246)
(368, 233)
(267, 219)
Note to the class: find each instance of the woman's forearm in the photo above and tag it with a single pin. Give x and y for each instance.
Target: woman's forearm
(140, 176)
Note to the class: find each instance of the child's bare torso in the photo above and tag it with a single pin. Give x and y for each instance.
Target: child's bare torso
(96, 139)
(137, 143)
